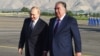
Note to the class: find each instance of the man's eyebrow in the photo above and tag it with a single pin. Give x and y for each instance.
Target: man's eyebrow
(56, 8)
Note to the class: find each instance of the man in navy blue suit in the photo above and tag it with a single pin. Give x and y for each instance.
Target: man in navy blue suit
(63, 30)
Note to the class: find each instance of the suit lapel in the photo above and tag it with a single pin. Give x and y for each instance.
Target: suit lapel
(52, 25)
(37, 26)
(62, 24)
(28, 25)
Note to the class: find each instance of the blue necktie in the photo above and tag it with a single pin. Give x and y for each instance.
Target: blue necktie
(31, 25)
(56, 26)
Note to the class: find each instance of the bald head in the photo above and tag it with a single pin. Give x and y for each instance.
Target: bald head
(34, 13)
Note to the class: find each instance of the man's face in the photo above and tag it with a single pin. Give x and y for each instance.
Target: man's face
(59, 10)
(34, 14)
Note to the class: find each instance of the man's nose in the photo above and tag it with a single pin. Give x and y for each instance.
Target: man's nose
(32, 16)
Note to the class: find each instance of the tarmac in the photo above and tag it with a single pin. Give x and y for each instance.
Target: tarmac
(10, 28)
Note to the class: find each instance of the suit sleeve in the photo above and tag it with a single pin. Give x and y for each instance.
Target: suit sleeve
(76, 35)
(46, 39)
(22, 36)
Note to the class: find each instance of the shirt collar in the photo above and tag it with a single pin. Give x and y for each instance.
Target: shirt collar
(35, 21)
(62, 17)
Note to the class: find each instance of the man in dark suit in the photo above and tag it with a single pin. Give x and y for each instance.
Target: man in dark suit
(63, 29)
(33, 34)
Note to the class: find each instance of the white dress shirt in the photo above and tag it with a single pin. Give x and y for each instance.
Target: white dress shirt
(59, 20)
(35, 22)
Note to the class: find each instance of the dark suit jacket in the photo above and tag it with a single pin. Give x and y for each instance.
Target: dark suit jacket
(33, 39)
(61, 41)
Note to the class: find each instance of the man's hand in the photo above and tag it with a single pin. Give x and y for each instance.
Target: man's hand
(78, 54)
(45, 53)
(20, 51)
